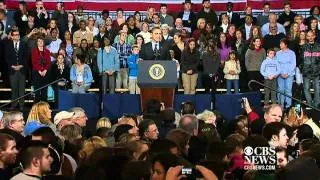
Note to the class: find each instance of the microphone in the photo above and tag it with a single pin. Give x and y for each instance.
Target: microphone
(282, 93)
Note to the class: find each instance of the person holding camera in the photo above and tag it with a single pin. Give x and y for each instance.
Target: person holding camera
(40, 67)
(42, 16)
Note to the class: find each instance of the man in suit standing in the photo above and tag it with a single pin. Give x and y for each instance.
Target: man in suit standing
(233, 17)
(155, 50)
(16, 57)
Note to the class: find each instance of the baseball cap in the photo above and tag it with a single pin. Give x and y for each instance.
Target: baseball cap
(31, 127)
(62, 115)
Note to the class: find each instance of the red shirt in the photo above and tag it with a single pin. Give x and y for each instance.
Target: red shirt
(37, 64)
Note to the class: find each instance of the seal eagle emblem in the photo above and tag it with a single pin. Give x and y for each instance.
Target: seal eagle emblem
(157, 71)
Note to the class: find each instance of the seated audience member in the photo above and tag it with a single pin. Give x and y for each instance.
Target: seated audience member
(41, 112)
(80, 75)
(72, 135)
(35, 160)
(137, 148)
(276, 134)
(189, 123)
(79, 117)
(31, 127)
(8, 155)
(14, 125)
(63, 118)
(124, 129)
(148, 130)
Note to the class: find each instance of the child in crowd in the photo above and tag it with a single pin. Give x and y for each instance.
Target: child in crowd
(270, 69)
(231, 72)
(133, 70)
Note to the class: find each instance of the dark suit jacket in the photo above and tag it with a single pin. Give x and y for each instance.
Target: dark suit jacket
(235, 19)
(191, 22)
(146, 52)
(10, 56)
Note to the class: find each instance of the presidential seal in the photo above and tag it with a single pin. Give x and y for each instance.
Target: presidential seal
(157, 71)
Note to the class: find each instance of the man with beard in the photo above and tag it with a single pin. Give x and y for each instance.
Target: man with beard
(8, 155)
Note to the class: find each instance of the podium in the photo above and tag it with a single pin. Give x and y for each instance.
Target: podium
(157, 80)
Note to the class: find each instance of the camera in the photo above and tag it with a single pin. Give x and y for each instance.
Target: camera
(191, 173)
(243, 102)
(297, 108)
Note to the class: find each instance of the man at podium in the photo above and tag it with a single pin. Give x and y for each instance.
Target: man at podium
(155, 50)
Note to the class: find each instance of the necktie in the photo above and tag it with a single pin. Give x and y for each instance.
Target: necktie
(156, 47)
(16, 46)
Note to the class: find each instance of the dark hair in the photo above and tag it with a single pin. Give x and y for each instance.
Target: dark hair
(162, 146)
(305, 144)
(12, 30)
(163, 5)
(216, 151)
(153, 106)
(119, 9)
(187, 108)
(227, 43)
(266, 4)
(286, 3)
(270, 49)
(120, 130)
(180, 137)
(140, 37)
(252, 46)
(304, 132)
(4, 138)
(235, 53)
(255, 141)
(271, 129)
(167, 160)
(33, 149)
(234, 141)
(312, 9)
(105, 11)
(81, 57)
(46, 133)
(285, 41)
(136, 170)
(187, 48)
(82, 21)
(144, 125)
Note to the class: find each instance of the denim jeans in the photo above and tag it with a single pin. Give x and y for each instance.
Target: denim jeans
(306, 87)
(235, 83)
(79, 89)
(285, 86)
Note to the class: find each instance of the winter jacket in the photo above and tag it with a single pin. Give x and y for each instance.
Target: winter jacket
(310, 60)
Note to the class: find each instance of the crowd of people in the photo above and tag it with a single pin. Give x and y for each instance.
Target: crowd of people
(209, 50)
(281, 51)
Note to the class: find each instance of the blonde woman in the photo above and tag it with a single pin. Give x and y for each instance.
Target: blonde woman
(208, 117)
(89, 146)
(41, 113)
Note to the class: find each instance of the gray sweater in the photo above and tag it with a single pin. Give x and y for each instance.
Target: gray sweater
(254, 59)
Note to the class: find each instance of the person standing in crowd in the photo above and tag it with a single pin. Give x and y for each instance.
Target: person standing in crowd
(40, 67)
(298, 91)
(246, 27)
(80, 118)
(190, 59)
(132, 28)
(148, 130)
(272, 21)
(255, 32)
(81, 34)
(68, 46)
(208, 13)
(54, 45)
(155, 50)
(211, 63)
(248, 12)
(92, 62)
(314, 22)
(314, 13)
(102, 33)
(286, 18)
(36, 161)
(108, 65)
(59, 70)
(119, 20)
(299, 19)
(72, 25)
(166, 38)
(42, 17)
(165, 18)
(133, 70)
(253, 59)
(232, 70)
(310, 64)
(102, 20)
(124, 50)
(8, 155)
(83, 49)
(21, 18)
(187, 16)
(145, 32)
(16, 58)
(91, 28)
(287, 60)
(263, 18)
(200, 29)
(270, 70)
(139, 41)
(61, 17)
(276, 134)
(234, 17)
(14, 125)
(124, 28)
(80, 75)
(241, 47)
(272, 40)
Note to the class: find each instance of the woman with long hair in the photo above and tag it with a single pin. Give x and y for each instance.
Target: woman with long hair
(72, 23)
(293, 37)
(54, 45)
(68, 46)
(139, 41)
(231, 72)
(41, 113)
(253, 60)
(299, 19)
(211, 63)
(178, 46)
(190, 59)
(40, 66)
(80, 75)
(231, 34)
(255, 32)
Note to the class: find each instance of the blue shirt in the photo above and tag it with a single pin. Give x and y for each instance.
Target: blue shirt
(287, 60)
(270, 67)
(124, 51)
(108, 61)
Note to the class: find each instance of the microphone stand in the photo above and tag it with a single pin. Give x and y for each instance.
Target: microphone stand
(282, 93)
(32, 92)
